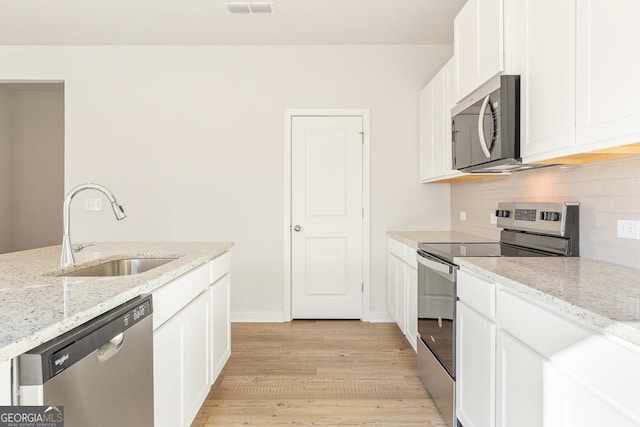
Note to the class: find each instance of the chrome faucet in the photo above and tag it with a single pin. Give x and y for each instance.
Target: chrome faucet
(66, 258)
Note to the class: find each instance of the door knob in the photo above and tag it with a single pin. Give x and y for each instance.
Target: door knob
(297, 228)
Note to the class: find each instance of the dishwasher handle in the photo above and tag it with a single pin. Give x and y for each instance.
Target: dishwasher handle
(110, 349)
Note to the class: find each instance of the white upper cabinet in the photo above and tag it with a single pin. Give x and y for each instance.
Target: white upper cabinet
(607, 88)
(478, 45)
(436, 101)
(540, 46)
(578, 79)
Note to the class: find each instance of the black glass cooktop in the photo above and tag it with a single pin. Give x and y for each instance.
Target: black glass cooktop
(448, 251)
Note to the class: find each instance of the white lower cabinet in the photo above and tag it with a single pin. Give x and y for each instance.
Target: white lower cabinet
(475, 370)
(196, 356)
(395, 278)
(520, 377)
(5, 383)
(181, 365)
(219, 294)
(568, 403)
(542, 369)
(191, 340)
(402, 297)
(411, 289)
(167, 375)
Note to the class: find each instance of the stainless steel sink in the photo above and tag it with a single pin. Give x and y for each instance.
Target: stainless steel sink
(119, 267)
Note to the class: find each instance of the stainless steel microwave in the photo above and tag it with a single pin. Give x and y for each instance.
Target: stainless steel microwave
(485, 128)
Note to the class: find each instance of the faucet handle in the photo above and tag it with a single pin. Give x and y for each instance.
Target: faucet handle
(77, 247)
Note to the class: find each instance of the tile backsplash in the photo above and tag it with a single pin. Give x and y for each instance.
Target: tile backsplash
(607, 191)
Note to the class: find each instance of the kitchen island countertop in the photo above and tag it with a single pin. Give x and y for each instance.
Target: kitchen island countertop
(596, 294)
(37, 306)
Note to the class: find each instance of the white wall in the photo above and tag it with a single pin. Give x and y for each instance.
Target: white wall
(190, 139)
(37, 155)
(5, 170)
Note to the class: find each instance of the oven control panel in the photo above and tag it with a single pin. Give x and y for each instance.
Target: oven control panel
(547, 218)
(525, 214)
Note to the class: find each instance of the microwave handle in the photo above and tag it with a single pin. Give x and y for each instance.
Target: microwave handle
(453, 143)
(483, 141)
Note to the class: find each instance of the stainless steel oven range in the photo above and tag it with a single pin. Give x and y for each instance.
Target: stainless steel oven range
(528, 230)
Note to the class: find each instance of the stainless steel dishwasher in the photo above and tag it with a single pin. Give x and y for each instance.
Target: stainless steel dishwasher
(101, 372)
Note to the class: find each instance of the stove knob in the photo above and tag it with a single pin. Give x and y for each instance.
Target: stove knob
(550, 216)
(502, 213)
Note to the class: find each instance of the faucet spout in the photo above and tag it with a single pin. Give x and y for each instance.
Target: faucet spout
(67, 258)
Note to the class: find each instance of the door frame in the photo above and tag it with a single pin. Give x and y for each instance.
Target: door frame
(289, 114)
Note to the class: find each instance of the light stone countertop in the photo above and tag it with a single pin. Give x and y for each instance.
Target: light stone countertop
(600, 295)
(36, 306)
(412, 238)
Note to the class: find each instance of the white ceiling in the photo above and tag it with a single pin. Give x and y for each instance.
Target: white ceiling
(199, 22)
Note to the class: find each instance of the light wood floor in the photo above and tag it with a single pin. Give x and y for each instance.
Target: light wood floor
(319, 373)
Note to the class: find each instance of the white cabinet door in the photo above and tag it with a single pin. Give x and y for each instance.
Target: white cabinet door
(196, 357)
(520, 380)
(168, 374)
(465, 39)
(5, 383)
(475, 368)
(395, 273)
(569, 404)
(540, 39)
(435, 127)
(440, 138)
(411, 287)
(220, 326)
(478, 44)
(401, 299)
(490, 40)
(427, 125)
(181, 365)
(607, 89)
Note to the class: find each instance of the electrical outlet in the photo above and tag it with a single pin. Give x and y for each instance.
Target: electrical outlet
(92, 204)
(629, 229)
(463, 216)
(493, 219)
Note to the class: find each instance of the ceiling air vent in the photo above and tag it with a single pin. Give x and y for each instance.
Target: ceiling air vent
(250, 8)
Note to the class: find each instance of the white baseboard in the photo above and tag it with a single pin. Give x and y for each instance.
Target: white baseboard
(379, 317)
(257, 316)
(278, 316)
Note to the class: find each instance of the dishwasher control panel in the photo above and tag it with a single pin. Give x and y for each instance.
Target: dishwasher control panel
(51, 358)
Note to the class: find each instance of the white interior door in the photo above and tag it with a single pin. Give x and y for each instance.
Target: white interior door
(326, 217)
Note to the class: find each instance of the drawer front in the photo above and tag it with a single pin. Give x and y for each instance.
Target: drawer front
(396, 247)
(477, 293)
(544, 332)
(219, 266)
(608, 367)
(175, 295)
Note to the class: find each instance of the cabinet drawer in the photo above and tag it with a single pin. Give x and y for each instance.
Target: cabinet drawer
(172, 297)
(544, 332)
(608, 367)
(219, 266)
(396, 247)
(477, 293)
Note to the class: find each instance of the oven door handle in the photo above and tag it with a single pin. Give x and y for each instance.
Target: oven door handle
(435, 265)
